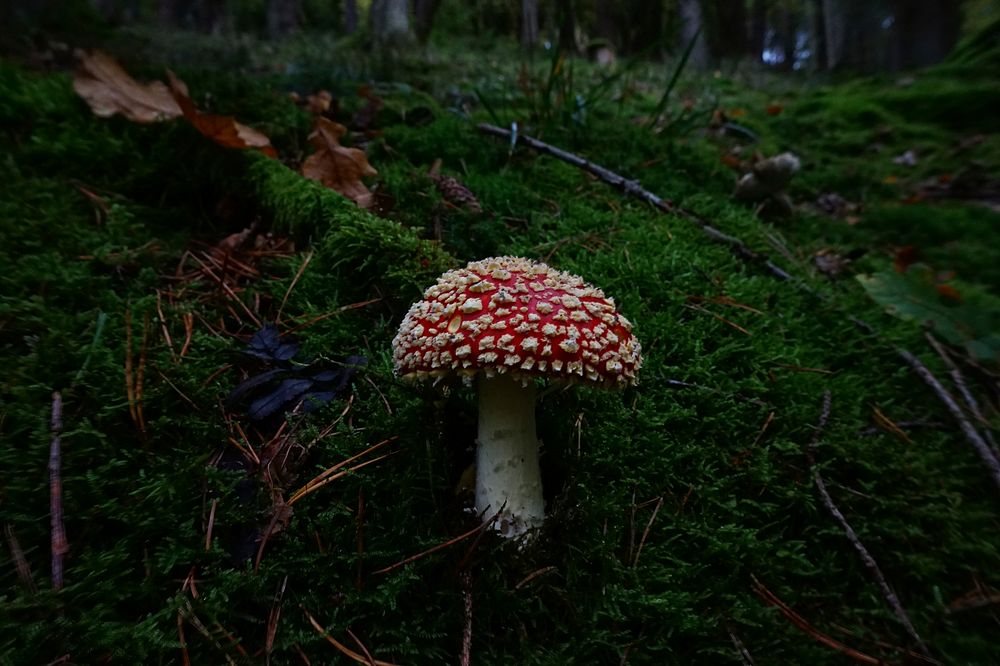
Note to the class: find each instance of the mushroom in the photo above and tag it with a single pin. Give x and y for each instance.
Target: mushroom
(503, 322)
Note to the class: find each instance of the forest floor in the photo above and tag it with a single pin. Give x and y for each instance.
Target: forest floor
(690, 518)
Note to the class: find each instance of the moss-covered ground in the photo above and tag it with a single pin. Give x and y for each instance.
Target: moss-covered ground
(665, 500)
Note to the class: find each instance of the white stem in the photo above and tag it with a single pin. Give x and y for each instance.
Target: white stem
(507, 456)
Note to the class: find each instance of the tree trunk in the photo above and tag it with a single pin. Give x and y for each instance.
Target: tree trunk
(390, 22)
(423, 18)
(350, 16)
(692, 25)
(924, 31)
(567, 26)
(529, 23)
(787, 37)
(853, 30)
(819, 36)
(758, 29)
(606, 22)
(729, 29)
(282, 17)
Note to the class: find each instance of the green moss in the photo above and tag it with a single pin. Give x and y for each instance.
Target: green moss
(724, 455)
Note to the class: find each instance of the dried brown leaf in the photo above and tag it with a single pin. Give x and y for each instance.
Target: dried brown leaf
(224, 130)
(108, 89)
(339, 168)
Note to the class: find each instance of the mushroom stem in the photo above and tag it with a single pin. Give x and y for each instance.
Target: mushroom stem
(507, 456)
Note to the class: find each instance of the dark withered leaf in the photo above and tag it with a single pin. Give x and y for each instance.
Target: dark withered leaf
(315, 399)
(267, 345)
(245, 387)
(326, 375)
(289, 390)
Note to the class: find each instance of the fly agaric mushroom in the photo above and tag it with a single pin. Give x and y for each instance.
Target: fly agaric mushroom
(506, 321)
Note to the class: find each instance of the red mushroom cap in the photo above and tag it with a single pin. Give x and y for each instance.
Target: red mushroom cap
(516, 316)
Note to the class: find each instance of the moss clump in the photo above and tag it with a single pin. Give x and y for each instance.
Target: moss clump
(664, 500)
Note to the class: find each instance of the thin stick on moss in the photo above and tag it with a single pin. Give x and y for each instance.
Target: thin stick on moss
(273, 617)
(59, 543)
(441, 546)
(295, 281)
(163, 325)
(466, 578)
(185, 657)
(20, 561)
(772, 599)
(866, 557)
(963, 389)
(346, 651)
(211, 524)
(744, 653)
(129, 379)
(323, 477)
(971, 434)
(633, 188)
(645, 532)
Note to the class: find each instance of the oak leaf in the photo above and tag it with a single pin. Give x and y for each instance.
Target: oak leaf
(339, 168)
(224, 130)
(108, 89)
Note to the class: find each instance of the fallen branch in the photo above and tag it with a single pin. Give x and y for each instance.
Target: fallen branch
(466, 659)
(59, 543)
(440, 546)
(633, 188)
(971, 434)
(744, 653)
(866, 557)
(20, 561)
(346, 651)
(963, 388)
(769, 597)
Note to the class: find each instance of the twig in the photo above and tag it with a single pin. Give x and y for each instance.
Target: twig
(20, 561)
(163, 325)
(441, 546)
(295, 281)
(800, 622)
(185, 657)
(645, 532)
(211, 524)
(328, 475)
(866, 557)
(59, 544)
(273, 617)
(466, 579)
(744, 653)
(369, 659)
(971, 434)
(963, 388)
(346, 651)
(633, 188)
(535, 574)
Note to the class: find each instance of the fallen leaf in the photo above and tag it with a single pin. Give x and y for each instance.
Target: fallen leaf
(774, 109)
(339, 168)
(732, 161)
(973, 321)
(904, 257)
(364, 119)
(830, 263)
(909, 158)
(108, 89)
(737, 112)
(224, 130)
(890, 180)
(319, 103)
(949, 292)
